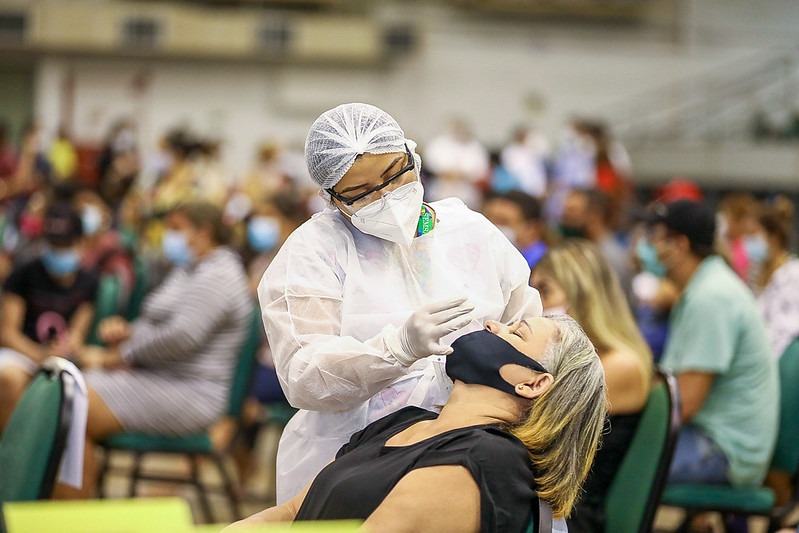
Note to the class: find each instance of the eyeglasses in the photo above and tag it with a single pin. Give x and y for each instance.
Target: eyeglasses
(350, 201)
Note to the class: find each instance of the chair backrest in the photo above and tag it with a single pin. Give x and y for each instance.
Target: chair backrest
(245, 364)
(786, 452)
(634, 495)
(34, 439)
(139, 290)
(106, 304)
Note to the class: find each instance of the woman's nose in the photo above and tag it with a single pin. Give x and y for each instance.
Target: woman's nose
(492, 326)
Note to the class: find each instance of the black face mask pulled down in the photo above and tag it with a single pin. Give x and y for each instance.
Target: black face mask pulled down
(477, 357)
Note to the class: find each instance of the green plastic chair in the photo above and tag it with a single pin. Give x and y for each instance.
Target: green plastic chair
(106, 304)
(696, 498)
(193, 446)
(633, 497)
(34, 439)
(139, 290)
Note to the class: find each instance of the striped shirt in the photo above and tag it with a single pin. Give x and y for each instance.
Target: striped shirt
(183, 349)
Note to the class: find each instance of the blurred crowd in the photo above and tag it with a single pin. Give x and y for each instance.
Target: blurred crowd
(108, 216)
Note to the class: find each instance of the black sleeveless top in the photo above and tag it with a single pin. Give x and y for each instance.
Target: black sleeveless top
(588, 516)
(365, 471)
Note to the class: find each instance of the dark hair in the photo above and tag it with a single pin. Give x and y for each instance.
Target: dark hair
(600, 202)
(528, 205)
(203, 214)
(290, 205)
(776, 218)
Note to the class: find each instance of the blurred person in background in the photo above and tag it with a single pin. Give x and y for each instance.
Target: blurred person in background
(778, 289)
(267, 177)
(778, 282)
(574, 277)
(737, 213)
(8, 156)
(212, 179)
(24, 241)
(267, 228)
(361, 301)
(47, 306)
(62, 156)
(518, 216)
(271, 222)
(104, 251)
(719, 350)
(526, 159)
(587, 213)
(177, 182)
(653, 293)
(118, 164)
(169, 371)
(459, 164)
(31, 171)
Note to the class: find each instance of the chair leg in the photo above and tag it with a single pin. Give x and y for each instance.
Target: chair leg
(102, 472)
(232, 491)
(135, 474)
(201, 491)
(685, 525)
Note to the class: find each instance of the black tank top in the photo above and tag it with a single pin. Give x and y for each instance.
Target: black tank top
(365, 471)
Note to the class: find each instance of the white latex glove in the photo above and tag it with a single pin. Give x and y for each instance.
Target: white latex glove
(421, 334)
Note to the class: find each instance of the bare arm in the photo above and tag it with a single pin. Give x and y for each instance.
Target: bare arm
(436, 499)
(79, 325)
(694, 388)
(628, 389)
(13, 314)
(279, 513)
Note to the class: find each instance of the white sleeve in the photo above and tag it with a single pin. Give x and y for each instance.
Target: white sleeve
(301, 304)
(524, 300)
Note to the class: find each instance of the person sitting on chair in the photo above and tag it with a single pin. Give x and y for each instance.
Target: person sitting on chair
(523, 422)
(575, 277)
(169, 372)
(47, 307)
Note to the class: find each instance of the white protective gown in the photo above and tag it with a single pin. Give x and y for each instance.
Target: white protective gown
(331, 294)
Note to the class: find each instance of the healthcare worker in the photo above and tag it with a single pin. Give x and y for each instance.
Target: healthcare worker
(361, 302)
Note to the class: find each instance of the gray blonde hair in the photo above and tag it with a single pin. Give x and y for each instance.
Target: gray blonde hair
(563, 426)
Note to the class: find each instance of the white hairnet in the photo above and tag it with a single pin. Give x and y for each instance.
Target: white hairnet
(343, 133)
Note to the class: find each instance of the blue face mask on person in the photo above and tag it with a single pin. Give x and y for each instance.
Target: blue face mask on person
(176, 248)
(263, 233)
(648, 256)
(61, 262)
(756, 248)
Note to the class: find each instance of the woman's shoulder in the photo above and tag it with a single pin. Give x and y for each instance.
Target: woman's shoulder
(626, 379)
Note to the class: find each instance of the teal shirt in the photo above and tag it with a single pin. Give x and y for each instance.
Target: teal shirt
(715, 327)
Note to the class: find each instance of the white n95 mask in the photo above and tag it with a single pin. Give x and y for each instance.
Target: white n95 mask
(394, 216)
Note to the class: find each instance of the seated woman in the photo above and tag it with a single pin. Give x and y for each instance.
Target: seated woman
(574, 277)
(523, 421)
(169, 372)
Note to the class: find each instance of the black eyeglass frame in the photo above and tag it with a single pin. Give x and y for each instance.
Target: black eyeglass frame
(349, 201)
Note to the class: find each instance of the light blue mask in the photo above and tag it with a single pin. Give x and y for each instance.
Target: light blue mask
(61, 263)
(176, 248)
(263, 233)
(92, 218)
(648, 256)
(756, 248)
